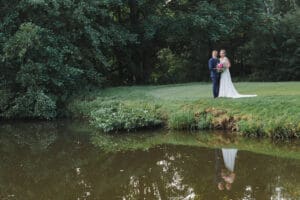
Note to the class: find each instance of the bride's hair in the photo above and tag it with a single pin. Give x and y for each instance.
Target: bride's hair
(223, 51)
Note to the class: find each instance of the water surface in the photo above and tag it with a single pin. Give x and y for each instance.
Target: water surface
(70, 161)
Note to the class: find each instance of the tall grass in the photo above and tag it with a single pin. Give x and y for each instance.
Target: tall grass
(182, 120)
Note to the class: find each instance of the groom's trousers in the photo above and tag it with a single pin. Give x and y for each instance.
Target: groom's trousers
(216, 86)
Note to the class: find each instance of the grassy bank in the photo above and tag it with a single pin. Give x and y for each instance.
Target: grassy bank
(274, 113)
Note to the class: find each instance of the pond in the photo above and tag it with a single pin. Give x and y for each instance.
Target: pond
(64, 160)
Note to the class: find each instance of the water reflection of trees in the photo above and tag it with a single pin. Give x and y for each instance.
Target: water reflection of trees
(54, 162)
(164, 180)
(38, 161)
(172, 171)
(38, 137)
(257, 177)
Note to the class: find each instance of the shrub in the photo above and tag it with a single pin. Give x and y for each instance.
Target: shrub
(31, 105)
(5, 96)
(34, 70)
(56, 54)
(281, 129)
(251, 128)
(116, 116)
(182, 120)
(204, 121)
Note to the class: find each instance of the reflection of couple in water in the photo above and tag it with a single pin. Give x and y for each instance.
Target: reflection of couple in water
(225, 175)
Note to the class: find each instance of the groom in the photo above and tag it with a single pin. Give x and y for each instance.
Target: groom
(214, 74)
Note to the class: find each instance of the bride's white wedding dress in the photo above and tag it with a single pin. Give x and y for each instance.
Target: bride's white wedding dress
(229, 156)
(227, 88)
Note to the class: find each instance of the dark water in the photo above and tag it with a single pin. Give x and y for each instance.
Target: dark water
(61, 161)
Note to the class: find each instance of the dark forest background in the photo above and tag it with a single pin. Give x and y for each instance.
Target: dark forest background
(52, 49)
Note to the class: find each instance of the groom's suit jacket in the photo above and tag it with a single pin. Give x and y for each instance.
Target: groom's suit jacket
(212, 63)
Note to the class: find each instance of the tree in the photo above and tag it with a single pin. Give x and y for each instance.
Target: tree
(49, 49)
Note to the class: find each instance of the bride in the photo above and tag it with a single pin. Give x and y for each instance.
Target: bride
(227, 88)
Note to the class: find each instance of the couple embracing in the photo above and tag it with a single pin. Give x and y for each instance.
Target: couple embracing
(221, 78)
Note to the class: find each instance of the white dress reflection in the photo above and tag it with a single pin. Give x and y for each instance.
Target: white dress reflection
(225, 162)
(229, 156)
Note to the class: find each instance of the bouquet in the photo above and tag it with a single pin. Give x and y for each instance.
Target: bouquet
(220, 68)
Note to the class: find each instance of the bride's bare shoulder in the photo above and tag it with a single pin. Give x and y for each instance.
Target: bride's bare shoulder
(227, 61)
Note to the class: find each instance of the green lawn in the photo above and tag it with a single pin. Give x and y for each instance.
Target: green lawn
(274, 113)
(196, 91)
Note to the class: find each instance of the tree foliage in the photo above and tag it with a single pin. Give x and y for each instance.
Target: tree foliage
(49, 49)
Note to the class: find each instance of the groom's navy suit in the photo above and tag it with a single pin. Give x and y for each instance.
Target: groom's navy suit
(215, 75)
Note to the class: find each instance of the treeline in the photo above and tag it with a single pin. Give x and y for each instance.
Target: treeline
(51, 49)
